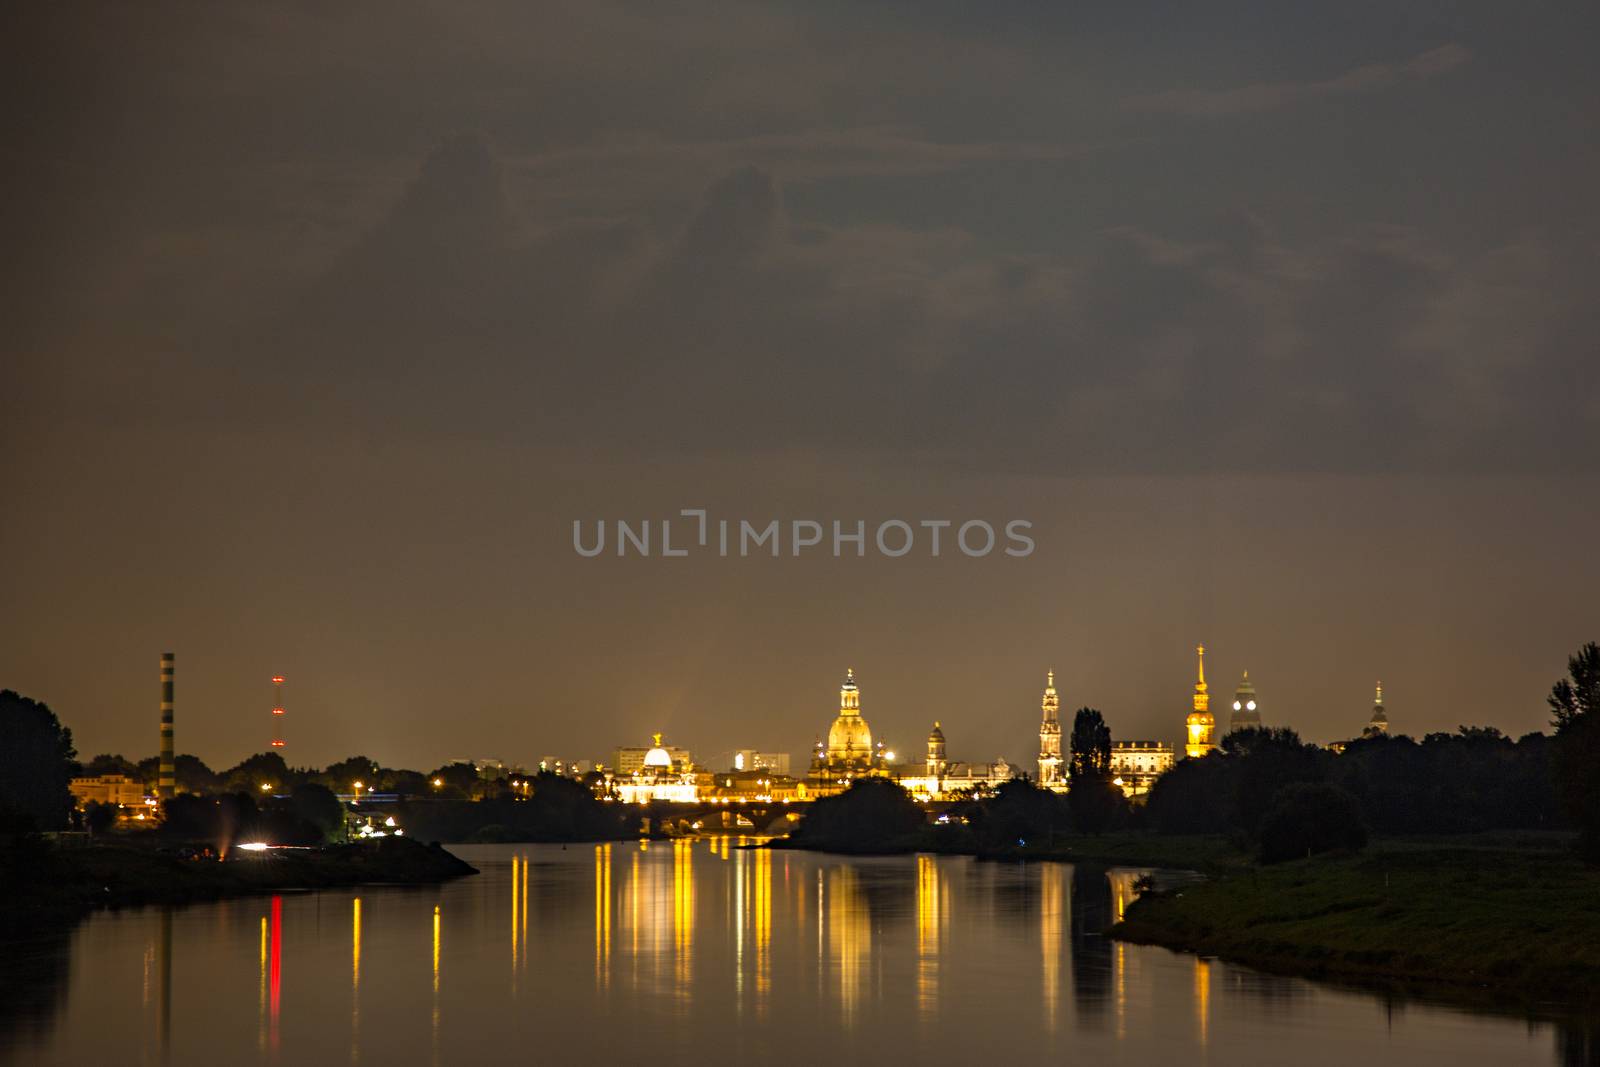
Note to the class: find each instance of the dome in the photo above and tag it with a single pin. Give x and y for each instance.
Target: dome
(936, 734)
(658, 758)
(849, 738)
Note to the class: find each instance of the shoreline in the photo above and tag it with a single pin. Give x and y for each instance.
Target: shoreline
(71, 883)
(1517, 928)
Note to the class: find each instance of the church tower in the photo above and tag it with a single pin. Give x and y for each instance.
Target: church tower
(849, 739)
(1200, 724)
(936, 760)
(1050, 734)
(1245, 716)
(1378, 725)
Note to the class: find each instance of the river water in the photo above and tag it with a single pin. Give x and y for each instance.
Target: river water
(698, 952)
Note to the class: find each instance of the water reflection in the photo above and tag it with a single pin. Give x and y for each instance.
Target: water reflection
(715, 952)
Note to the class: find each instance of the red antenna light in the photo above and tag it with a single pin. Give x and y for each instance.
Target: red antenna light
(277, 711)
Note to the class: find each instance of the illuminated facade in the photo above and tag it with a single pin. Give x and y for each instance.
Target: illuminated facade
(1201, 726)
(748, 759)
(119, 789)
(1244, 715)
(659, 777)
(1050, 775)
(1135, 765)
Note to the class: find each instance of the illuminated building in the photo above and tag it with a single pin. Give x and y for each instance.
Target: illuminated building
(659, 777)
(1050, 775)
(1200, 725)
(936, 760)
(1244, 716)
(1135, 765)
(625, 761)
(117, 789)
(748, 759)
(1378, 725)
(938, 778)
(849, 753)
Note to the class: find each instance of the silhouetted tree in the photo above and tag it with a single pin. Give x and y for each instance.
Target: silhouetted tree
(264, 768)
(36, 762)
(316, 804)
(1090, 744)
(98, 817)
(1575, 702)
(1019, 814)
(1264, 760)
(1305, 818)
(873, 815)
(105, 763)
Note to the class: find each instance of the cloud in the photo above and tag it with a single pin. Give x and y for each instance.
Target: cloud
(1274, 96)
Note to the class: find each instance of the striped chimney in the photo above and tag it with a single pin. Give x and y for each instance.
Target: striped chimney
(167, 782)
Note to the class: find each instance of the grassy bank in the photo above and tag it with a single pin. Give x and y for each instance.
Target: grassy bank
(1524, 923)
(63, 881)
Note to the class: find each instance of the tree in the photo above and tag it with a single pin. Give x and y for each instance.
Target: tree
(98, 817)
(106, 763)
(341, 777)
(455, 780)
(1090, 744)
(1263, 761)
(1305, 818)
(1096, 801)
(873, 815)
(317, 805)
(1577, 696)
(1575, 701)
(36, 762)
(262, 769)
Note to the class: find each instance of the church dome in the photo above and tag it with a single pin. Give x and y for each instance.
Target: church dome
(936, 734)
(849, 738)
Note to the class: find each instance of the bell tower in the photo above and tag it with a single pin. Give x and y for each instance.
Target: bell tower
(1200, 724)
(1050, 734)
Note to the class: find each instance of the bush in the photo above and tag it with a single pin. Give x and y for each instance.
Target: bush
(1305, 818)
(873, 815)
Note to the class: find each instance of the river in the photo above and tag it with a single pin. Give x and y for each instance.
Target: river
(698, 952)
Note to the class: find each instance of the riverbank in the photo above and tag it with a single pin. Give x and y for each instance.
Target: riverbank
(1519, 924)
(70, 880)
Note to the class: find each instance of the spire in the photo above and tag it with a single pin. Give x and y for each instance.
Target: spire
(1377, 701)
(1202, 702)
(1050, 706)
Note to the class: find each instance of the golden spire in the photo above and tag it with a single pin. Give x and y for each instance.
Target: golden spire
(1202, 702)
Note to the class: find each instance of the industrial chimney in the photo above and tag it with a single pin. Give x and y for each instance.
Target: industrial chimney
(167, 781)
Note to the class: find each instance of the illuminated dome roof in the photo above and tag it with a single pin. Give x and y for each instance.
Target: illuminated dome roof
(658, 758)
(936, 734)
(849, 738)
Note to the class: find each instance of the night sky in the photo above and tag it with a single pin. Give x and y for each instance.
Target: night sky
(322, 326)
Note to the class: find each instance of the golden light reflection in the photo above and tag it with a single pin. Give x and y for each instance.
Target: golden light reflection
(516, 917)
(763, 923)
(165, 1020)
(262, 1038)
(849, 938)
(602, 916)
(683, 912)
(1121, 958)
(355, 979)
(437, 930)
(930, 935)
(1202, 998)
(1052, 909)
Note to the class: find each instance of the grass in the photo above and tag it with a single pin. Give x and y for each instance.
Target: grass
(1523, 922)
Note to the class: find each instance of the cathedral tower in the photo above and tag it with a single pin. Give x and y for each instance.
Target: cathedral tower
(849, 739)
(1201, 726)
(1050, 734)
(1245, 716)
